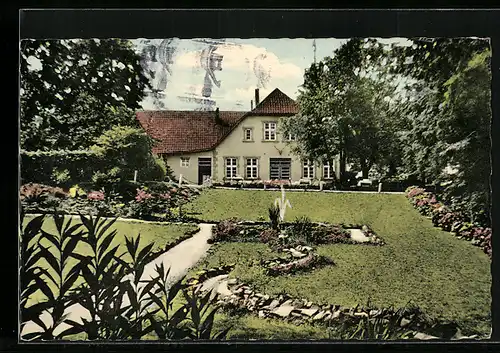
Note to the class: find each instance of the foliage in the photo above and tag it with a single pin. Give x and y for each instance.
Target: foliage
(274, 217)
(73, 90)
(103, 290)
(58, 167)
(343, 109)
(447, 110)
(393, 327)
(38, 197)
(450, 221)
(225, 230)
(123, 150)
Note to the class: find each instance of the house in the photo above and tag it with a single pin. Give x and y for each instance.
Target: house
(232, 145)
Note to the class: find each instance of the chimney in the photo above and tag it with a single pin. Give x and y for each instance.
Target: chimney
(257, 97)
(251, 105)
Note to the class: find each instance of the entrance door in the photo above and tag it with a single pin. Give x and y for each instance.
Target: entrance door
(279, 168)
(204, 169)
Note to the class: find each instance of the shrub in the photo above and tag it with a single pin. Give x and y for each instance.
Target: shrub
(41, 198)
(224, 230)
(269, 236)
(302, 227)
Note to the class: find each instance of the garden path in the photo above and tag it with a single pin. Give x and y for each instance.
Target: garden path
(179, 259)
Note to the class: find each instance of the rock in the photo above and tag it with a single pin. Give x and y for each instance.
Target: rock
(320, 315)
(364, 228)
(327, 317)
(262, 314)
(223, 289)
(423, 336)
(375, 312)
(309, 312)
(212, 282)
(308, 304)
(361, 314)
(336, 314)
(297, 254)
(283, 310)
(232, 281)
(404, 322)
(274, 304)
(288, 302)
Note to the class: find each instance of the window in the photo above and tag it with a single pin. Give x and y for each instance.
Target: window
(327, 171)
(308, 170)
(291, 137)
(184, 162)
(251, 168)
(270, 131)
(231, 168)
(248, 134)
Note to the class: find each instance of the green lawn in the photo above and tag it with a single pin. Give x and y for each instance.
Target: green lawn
(447, 277)
(159, 234)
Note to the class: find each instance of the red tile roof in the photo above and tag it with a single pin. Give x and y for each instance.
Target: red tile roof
(197, 131)
(186, 131)
(276, 103)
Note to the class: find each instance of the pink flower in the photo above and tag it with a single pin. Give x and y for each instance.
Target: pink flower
(142, 195)
(95, 195)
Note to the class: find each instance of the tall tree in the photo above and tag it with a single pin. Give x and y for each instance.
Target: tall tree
(73, 90)
(448, 140)
(342, 108)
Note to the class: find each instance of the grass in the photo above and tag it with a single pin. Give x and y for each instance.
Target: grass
(159, 234)
(446, 277)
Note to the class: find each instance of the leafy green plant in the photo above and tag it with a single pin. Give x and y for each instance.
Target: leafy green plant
(274, 217)
(120, 303)
(61, 275)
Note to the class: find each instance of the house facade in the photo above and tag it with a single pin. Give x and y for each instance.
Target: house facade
(233, 146)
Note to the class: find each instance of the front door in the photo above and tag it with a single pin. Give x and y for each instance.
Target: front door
(279, 168)
(204, 169)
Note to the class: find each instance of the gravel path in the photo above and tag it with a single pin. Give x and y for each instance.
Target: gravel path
(179, 259)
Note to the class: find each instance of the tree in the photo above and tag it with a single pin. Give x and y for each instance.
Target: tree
(73, 90)
(449, 114)
(122, 150)
(342, 109)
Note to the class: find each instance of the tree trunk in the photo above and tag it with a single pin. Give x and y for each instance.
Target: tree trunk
(342, 166)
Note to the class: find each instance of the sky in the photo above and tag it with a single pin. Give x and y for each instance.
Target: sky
(246, 64)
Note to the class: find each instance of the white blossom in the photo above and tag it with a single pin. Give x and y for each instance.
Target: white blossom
(58, 96)
(93, 80)
(46, 84)
(127, 88)
(100, 74)
(67, 90)
(82, 62)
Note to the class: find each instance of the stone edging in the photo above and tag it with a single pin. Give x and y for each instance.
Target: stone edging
(233, 294)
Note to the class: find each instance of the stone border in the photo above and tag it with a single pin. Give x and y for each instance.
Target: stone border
(234, 295)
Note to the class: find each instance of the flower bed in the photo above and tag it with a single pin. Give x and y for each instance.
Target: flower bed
(299, 233)
(299, 259)
(152, 202)
(448, 220)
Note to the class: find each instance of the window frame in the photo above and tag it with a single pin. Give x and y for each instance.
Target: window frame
(270, 130)
(310, 167)
(245, 130)
(253, 167)
(227, 166)
(184, 159)
(328, 166)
